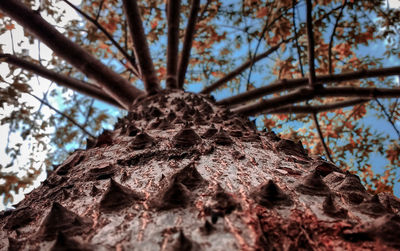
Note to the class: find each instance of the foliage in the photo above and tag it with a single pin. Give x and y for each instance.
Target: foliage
(349, 36)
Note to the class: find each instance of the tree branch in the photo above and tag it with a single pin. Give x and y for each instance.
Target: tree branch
(62, 114)
(310, 39)
(288, 84)
(141, 47)
(131, 59)
(303, 94)
(311, 78)
(240, 69)
(187, 43)
(389, 118)
(332, 37)
(264, 30)
(321, 136)
(296, 38)
(173, 43)
(62, 80)
(309, 109)
(112, 83)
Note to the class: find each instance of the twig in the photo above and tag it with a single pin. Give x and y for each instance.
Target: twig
(288, 84)
(187, 43)
(389, 118)
(89, 112)
(309, 109)
(62, 80)
(304, 94)
(141, 47)
(173, 43)
(333, 36)
(240, 69)
(203, 11)
(108, 35)
(115, 86)
(62, 114)
(265, 28)
(99, 11)
(321, 136)
(12, 41)
(296, 38)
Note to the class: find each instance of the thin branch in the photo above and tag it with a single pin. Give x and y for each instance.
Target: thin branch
(296, 38)
(333, 36)
(12, 41)
(131, 59)
(264, 30)
(389, 118)
(99, 11)
(62, 80)
(288, 84)
(303, 94)
(204, 10)
(240, 69)
(321, 136)
(141, 48)
(89, 112)
(173, 43)
(309, 109)
(62, 114)
(310, 39)
(187, 42)
(115, 85)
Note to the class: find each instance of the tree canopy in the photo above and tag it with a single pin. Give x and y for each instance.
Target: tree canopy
(323, 72)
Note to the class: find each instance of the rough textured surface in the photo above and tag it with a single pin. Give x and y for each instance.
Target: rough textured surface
(179, 173)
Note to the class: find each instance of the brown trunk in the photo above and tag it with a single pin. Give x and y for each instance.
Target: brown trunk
(180, 173)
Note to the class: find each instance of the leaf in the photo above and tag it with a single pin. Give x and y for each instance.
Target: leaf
(21, 87)
(262, 12)
(154, 24)
(10, 26)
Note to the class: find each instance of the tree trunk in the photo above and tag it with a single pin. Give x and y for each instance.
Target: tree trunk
(180, 173)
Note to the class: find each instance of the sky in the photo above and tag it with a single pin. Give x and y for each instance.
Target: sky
(39, 86)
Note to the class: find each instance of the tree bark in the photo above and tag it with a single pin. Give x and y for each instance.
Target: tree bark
(181, 173)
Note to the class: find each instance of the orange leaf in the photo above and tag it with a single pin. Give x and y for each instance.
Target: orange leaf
(103, 46)
(262, 12)
(10, 26)
(154, 24)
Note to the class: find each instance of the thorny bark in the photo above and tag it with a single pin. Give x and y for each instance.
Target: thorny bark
(225, 186)
(112, 83)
